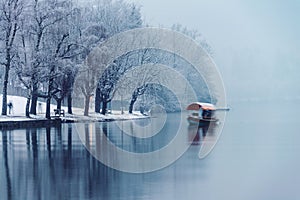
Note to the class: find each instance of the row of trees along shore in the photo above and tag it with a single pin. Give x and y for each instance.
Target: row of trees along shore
(44, 45)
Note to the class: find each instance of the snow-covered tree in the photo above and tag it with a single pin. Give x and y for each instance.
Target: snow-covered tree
(99, 22)
(136, 77)
(10, 14)
(47, 48)
(89, 73)
(195, 35)
(42, 18)
(61, 51)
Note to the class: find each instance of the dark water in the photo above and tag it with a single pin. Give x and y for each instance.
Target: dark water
(257, 157)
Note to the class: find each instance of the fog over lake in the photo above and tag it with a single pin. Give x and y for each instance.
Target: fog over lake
(255, 43)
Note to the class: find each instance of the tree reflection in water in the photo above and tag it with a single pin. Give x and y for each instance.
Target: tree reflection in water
(52, 163)
(6, 165)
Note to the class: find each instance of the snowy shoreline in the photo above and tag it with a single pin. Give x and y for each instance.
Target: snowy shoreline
(17, 116)
(16, 122)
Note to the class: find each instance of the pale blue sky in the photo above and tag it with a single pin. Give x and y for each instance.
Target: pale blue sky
(256, 43)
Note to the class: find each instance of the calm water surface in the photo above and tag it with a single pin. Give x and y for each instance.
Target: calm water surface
(257, 157)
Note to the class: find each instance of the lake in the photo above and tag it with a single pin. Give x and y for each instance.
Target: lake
(256, 157)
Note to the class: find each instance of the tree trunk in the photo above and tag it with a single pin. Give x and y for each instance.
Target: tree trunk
(132, 102)
(122, 108)
(34, 100)
(98, 101)
(70, 103)
(86, 106)
(27, 107)
(138, 92)
(58, 105)
(4, 97)
(131, 106)
(48, 109)
(104, 107)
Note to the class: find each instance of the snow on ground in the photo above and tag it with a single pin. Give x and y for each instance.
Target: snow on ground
(18, 112)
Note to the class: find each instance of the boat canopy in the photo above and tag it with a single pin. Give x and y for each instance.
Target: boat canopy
(198, 105)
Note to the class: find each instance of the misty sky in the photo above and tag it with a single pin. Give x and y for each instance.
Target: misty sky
(256, 43)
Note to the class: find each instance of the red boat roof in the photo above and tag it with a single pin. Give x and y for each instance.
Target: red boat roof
(198, 105)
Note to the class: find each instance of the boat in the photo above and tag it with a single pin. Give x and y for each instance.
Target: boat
(202, 114)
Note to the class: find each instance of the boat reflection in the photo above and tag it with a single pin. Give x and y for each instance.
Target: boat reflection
(198, 134)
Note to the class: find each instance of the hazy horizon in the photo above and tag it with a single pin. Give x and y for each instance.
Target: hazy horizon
(255, 43)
